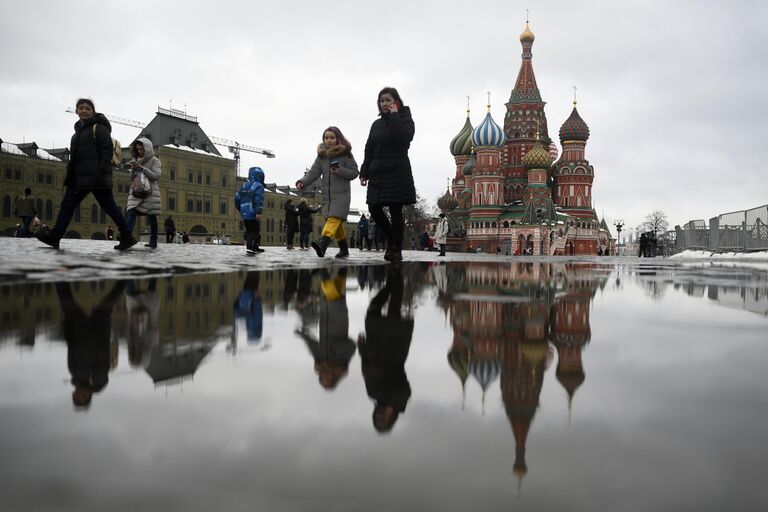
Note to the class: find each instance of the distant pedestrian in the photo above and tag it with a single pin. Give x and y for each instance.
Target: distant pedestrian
(89, 170)
(335, 167)
(145, 163)
(386, 169)
(372, 232)
(305, 222)
(110, 233)
(291, 222)
(441, 233)
(249, 201)
(170, 229)
(25, 209)
(185, 238)
(362, 228)
(643, 246)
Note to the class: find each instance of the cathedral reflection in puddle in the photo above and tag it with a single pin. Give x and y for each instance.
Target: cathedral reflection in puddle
(296, 355)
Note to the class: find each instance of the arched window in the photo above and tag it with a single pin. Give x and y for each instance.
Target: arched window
(171, 203)
(493, 224)
(103, 216)
(39, 205)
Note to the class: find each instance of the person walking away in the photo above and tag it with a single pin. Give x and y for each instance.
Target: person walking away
(362, 227)
(372, 238)
(305, 222)
(386, 170)
(145, 162)
(249, 201)
(25, 209)
(110, 233)
(336, 168)
(441, 233)
(89, 171)
(291, 222)
(170, 230)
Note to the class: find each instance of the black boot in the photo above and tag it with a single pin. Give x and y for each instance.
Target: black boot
(393, 253)
(49, 238)
(343, 249)
(442, 250)
(126, 241)
(321, 245)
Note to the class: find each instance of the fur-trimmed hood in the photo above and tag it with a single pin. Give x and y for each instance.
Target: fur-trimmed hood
(333, 152)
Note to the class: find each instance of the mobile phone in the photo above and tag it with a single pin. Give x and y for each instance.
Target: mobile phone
(334, 164)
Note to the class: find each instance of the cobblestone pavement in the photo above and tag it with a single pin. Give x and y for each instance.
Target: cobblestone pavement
(28, 259)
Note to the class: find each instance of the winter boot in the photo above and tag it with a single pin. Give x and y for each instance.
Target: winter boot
(442, 250)
(393, 253)
(126, 241)
(49, 238)
(321, 245)
(343, 249)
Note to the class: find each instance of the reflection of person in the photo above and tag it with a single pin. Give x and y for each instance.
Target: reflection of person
(248, 306)
(336, 168)
(89, 171)
(383, 351)
(87, 337)
(386, 169)
(145, 162)
(143, 308)
(334, 348)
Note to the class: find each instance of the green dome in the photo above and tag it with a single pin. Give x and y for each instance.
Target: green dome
(537, 157)
(462, 143)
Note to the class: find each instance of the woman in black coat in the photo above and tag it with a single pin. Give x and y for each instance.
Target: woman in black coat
(305, 223)
(386, 169)
(291, 222)
(89, 170)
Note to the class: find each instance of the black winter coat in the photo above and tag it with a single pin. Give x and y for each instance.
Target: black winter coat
(305, 216)
(386, 165)
(90, 160)
(291, 217)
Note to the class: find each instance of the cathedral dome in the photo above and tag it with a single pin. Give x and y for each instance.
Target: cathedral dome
(447, 202)
(462, 143)
(488, 133)
(527, 36)
(574, 128)
(470, 165)
(553, 151)
(537, 157)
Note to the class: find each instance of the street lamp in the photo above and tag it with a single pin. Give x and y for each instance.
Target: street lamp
(619, 223)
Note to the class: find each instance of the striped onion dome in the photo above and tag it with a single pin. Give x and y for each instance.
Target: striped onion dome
(459, 361)
(470, 165)
(485, 371)
(574, 128)
(537, 157)
(462, 143)
(553, 151)
(447, 202)
(488, 133)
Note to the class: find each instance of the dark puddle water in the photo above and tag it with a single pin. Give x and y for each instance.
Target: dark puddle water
(460, 386)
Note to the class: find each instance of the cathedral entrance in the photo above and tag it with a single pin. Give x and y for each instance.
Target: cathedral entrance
(506, 247)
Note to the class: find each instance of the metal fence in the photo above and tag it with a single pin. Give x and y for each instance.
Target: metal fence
(745, 230)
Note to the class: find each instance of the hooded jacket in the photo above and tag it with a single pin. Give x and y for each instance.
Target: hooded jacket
(387, 166)
(90, 160)
(151, 167)
(305, 216)
(291, 216)
(249, 200)
(335, 188)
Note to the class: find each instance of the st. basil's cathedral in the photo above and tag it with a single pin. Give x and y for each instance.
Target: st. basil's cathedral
(511, 193)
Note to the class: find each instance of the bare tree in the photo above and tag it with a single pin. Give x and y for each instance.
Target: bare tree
(656, 221)
(417, 217)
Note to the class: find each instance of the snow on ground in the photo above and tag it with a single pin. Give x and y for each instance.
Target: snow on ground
(759, 255)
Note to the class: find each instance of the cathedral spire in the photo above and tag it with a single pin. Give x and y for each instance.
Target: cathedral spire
(526, 89)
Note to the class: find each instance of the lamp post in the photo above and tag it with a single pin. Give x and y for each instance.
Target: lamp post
(619, 223)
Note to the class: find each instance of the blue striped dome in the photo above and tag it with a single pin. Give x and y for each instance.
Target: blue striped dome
(488, 133)
(485, 371)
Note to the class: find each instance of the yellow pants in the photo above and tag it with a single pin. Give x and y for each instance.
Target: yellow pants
(333, 289)
(334, 228)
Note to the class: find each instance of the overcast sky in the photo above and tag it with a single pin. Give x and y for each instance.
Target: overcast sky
(674, 93)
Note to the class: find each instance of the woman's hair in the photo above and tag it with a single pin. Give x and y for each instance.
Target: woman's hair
(340, 139)
(303, 200)
(392, 92)
(85, 100)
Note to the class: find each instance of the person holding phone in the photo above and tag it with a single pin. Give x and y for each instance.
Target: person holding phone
(386, 169)
(336, 167)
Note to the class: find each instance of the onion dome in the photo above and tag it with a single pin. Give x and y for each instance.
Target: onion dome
(462, 143)
(488, 133)
(447, 202)
(485, 371)
(537, 157)
(553, 151)
(468, 167)
(527, 36)
(574, 128)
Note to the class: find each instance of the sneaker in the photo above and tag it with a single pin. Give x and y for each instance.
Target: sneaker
(126, 242)
(250, 252)
(259, 249)
(49, 238)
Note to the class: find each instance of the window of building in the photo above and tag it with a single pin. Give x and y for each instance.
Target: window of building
(223, 225)
(207, 206)
(49, 179)
(223, 181)
(94, 214)
(8, 173)
(6, 206)
(40, 177)
(172, 174)
(17, 174)
(77, 214)
(223, 207)
(171, 202)
(207, 179)
(49, 210)
(190, 205)
(199, 178)
(199, 205)
(190, 177)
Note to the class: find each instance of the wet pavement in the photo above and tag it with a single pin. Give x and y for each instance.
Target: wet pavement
(194, 377)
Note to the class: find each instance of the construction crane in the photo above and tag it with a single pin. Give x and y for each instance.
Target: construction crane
(234, 147)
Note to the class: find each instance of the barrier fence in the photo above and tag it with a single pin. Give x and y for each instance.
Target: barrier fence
(740, 231)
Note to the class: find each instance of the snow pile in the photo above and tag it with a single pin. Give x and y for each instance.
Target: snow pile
(759, 255)
(7, 147)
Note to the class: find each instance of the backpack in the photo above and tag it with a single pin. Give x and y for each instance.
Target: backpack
(116, 150)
